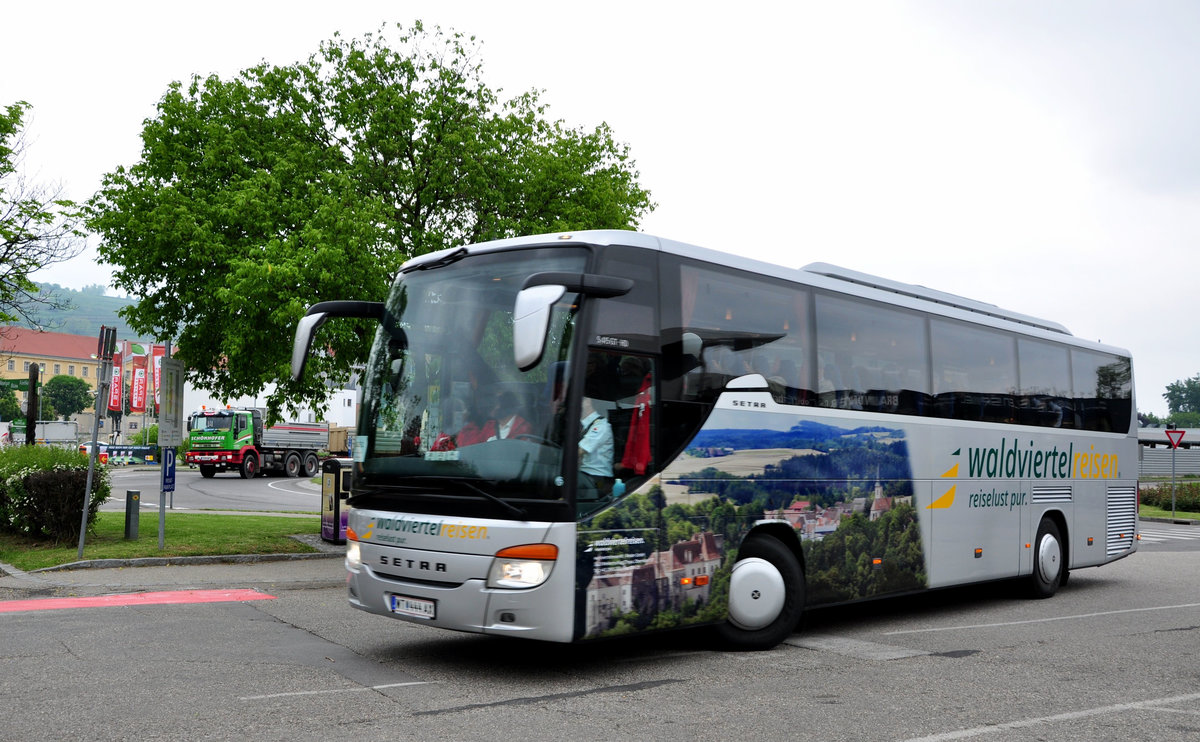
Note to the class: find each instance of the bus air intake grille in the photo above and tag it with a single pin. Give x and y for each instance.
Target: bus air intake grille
(1051, 494)
(1121, 519)
(415, 580)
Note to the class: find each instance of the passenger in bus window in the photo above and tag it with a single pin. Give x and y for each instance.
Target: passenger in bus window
(633, 370)
(595, 450)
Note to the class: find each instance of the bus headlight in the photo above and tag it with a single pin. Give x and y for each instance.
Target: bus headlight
(522, 566)
(353, 553)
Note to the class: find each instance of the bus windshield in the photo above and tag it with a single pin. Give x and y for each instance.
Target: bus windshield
(445, 410)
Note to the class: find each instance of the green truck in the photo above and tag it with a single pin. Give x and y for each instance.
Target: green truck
(235, 439)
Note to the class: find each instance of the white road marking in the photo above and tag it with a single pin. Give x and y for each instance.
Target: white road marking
(1041, 620)
(331, 691)
(1152, 704)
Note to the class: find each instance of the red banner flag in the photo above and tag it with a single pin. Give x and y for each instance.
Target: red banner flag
(116, 381)
(157, 351)
(137, 387)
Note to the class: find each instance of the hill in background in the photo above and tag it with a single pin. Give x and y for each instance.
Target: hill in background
(89, 309)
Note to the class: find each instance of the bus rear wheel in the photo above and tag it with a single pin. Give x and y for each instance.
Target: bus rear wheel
(1049, 565)
(766, 595)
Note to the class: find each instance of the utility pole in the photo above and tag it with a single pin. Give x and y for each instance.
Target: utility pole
(105, 347)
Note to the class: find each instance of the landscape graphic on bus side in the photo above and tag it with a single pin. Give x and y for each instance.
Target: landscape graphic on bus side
(846, 492)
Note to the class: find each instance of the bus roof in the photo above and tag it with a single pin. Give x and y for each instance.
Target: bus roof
(819, 274)
(933, 295)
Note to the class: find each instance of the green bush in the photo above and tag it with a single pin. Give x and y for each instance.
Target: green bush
(1187, 497)
(41, 491)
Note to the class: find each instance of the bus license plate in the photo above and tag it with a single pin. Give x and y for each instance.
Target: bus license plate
(415, 607)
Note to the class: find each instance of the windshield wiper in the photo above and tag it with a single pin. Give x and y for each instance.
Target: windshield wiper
(516, 510)
(445, 260)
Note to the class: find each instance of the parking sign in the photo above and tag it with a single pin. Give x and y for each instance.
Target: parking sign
(168, 470)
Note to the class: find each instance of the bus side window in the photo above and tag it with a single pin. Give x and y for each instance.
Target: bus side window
(623, 414)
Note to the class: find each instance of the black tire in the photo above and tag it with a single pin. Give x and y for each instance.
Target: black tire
(208, 471)
(1049, 561)
(249, 466)
(766, 595)
(311, 465)
(291, 465)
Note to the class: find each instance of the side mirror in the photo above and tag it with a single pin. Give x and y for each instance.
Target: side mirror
(531, 311)
(531, 319)
(308, 325)
(305, 329)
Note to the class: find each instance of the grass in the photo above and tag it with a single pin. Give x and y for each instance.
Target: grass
(1149, 511)
(185, 534)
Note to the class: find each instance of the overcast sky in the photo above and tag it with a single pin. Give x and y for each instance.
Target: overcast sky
(1040, 156)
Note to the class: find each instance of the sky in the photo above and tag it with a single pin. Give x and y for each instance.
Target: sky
(1039, 156)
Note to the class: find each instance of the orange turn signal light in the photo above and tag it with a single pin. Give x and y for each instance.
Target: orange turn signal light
(548, 552)
(351, 535)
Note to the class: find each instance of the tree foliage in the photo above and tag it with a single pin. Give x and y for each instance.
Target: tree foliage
(1183, 396)
(259, 195)
(67, 395)
(37, 227)
(10, 408)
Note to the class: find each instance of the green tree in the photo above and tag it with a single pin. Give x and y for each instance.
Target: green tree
(37, 227)
(259, 195)
(67, 395)
(1185, 419)
(10, 408)
(1183, 396)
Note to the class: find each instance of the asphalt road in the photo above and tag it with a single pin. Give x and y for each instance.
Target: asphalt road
(1111, 657)
(225, 491)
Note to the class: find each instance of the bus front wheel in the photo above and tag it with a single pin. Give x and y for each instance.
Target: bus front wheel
(766, 595)
(1049, 565)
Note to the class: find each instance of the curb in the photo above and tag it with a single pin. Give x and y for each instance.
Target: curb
(1175, 521)
(183, 560)
(325, 551)
(7, 570)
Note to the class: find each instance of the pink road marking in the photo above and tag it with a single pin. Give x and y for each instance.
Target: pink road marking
(162, 598)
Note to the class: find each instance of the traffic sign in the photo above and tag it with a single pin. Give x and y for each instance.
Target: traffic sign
(1175, 436)
(170, 412)
(168, 470)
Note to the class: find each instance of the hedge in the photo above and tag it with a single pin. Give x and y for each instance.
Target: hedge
(1187, 497)
(41, 491)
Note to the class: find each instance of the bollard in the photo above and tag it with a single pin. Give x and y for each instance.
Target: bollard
(133, 507)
